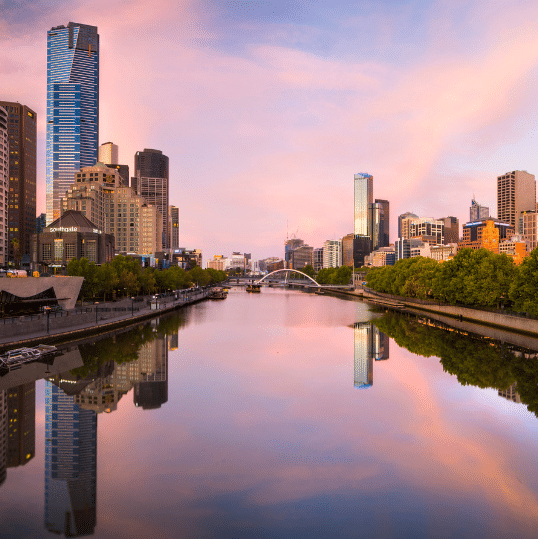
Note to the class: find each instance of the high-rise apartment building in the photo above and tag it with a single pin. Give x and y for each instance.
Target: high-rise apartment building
(477, 212)
(332, 254)
(72, 107)
(516, 193)
(317, 258)
(108, 153)
(22, 132)
(4, 175)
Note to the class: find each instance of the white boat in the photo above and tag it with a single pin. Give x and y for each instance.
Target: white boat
(16, 358)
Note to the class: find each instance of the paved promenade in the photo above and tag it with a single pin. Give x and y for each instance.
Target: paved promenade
(87, 319)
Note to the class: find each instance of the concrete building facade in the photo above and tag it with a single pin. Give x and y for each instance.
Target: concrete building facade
(516, 193)
(22, 133)
(4, 176)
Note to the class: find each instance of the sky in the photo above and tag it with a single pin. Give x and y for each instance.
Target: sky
(267, 109)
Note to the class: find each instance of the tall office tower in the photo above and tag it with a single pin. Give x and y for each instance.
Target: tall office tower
(108, 153)
(70, 465)
(22, 177)
(403, 224)
(4, 175)
(477, 212)
(384, 214)
(151, 164)
(173, 220)
(516, 193)
(289, 246)
(21, 426)
(363, 357)
(363, 200)
(151, 182)
(332, 254)
(72, 107)
(451, 229)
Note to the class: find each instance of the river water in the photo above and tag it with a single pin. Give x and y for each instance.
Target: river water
(274, 415)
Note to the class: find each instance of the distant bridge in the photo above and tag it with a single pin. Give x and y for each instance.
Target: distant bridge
(288, 273)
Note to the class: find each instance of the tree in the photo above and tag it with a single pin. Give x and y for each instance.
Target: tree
(309, 270)
(524, 289)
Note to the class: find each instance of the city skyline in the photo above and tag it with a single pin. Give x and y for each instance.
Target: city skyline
(259, 124)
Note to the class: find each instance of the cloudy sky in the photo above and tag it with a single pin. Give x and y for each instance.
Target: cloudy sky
(267, 108)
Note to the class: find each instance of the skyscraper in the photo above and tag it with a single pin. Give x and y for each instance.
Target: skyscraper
(384, 213)
(108, 153)
(403, 224)
(22, 177)
(363, 201)
(477, 212)
(4, 175)
(151, 182)
(516, 193)
(72, 107)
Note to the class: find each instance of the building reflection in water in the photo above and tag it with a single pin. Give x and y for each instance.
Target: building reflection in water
(369, 344)
(151, 391)
(70, 464)
(3, 436)
(510, 394)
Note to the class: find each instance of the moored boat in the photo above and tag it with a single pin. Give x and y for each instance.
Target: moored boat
(254, 288)
(16, 358)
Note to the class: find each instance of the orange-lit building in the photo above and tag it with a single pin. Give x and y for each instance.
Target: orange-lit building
(495, 232)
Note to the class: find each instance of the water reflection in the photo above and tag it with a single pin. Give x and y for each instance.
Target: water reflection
(70, 464)
(473, 359)
(369, 344)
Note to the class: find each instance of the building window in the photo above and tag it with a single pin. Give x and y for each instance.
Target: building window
(58, 250)
(47, 253)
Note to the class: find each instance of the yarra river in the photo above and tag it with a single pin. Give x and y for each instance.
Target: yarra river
(274, 415)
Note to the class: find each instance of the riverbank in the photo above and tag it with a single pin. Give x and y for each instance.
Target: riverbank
(88, 320)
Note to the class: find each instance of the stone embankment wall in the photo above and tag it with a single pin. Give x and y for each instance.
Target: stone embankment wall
(506, 321)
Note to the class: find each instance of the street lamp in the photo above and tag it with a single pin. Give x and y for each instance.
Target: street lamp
(132, 306)
(96, 304)
(47, 310)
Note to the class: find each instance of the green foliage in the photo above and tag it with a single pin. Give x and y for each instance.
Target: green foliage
(473, 277)
(338, 276)
(308, 270)
(473, 360)
(524, 288)
(125, 277)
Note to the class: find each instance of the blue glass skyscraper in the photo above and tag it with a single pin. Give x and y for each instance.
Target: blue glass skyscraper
(72, 107)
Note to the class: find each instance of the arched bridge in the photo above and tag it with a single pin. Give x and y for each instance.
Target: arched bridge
(288, 272)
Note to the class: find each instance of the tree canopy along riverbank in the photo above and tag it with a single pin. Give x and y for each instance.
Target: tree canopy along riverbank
(124, 276)
(474, 278)
(473, 359)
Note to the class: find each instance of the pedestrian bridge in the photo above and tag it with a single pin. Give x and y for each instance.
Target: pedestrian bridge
(287, 274)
